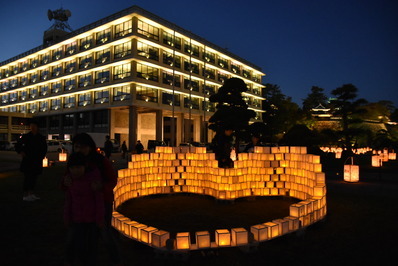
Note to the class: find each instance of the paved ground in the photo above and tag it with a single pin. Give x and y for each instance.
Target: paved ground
(361, 225)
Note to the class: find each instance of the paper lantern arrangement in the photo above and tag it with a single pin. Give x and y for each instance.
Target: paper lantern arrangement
(269, 171)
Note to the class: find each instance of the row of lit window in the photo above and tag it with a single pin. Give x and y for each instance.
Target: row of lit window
(121, 51)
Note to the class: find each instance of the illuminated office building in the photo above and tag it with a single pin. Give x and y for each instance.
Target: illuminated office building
(127, 75)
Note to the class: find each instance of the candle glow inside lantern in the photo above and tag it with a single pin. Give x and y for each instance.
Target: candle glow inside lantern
(223, 237)
(239, 236)
(202, 239)
(183, 240)
(392, 156)
(159, 238)
(260, 232)
(376, 161)
(45, 162)
(62, 156)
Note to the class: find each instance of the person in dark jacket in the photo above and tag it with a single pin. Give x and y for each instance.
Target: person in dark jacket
(108, 147)
(139, 147)
(33, 148)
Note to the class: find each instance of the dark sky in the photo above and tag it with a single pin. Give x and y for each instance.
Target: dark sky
(297, 43)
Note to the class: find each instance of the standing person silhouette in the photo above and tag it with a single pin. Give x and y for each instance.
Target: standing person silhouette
(108, 146)
(124, 150)
(139, 147)
(83, 143)
(33, 148)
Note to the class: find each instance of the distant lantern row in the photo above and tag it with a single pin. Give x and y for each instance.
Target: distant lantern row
(269, 171)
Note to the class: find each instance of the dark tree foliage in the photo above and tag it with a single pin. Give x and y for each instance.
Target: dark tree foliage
(348, 108)
(314, 98)
(232, 111)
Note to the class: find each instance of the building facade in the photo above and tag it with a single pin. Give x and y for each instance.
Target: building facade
(133, 75)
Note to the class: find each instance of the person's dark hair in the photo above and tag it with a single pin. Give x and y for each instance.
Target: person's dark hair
(76, 159)
(85, 139)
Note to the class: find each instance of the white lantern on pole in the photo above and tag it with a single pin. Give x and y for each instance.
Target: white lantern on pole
(351, 172)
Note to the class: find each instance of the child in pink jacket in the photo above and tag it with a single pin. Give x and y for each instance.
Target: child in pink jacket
(84, 211)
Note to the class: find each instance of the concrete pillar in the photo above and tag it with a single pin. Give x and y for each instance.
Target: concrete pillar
(159, 125)
(133, 117)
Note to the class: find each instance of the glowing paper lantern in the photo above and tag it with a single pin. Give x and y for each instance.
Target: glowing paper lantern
(239, 236)
(62, 156)
(159, 238)
(273, 229)
(45, 162)
(338, 155)
(183, 240)
(392, 156)
(351, 173)
(202, 239)
(223, 237)
(376, 161)
(260, 232)
(146, 234)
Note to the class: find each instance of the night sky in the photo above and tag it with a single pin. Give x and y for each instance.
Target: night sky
(297, 43)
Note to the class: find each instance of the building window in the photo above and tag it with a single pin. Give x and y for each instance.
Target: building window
(5, 86)
(34, 62)
(147, 51)
(22, 108)
(86, 61)
(4, 98)
(44, 74)
(192, 103)
(235, 68)
(43, 106)
(191, 48)
(222, 77)
(171, 40)
(57, 54)
(24, 80)
(15, 69)
(209, 57)
(102, 76)
(101, 96)
(222, 62)
(70, 48)
(122, 50)
(70, 66)
(13, 97)
(69, 101)
(209, 89)
(103, 36)
(23, 95)
(101, 118)
(146, 94)
(54, 122)
(167, 98)
(209, 73)
(191, 67)
(148, 30)
(123, 29)
(168, 79)
(14, 109)
(121, 71)
(32, 108)
(56, 87)
(33, 93)
(85, 80)
(192, 85)
(70, 84)
(83, 120)
(84, 99)
(55, 105)
(121, 93)
(147, 72)
(246, 73)
(168, 60)
(34, 78)
(256, 90)
(256, 78)
(25, 65)
(86, 43)
(57, 70)
(45, 58)
(43, 90)
(208, 106)
(14, 83)
(103, 56)
(69, 120)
